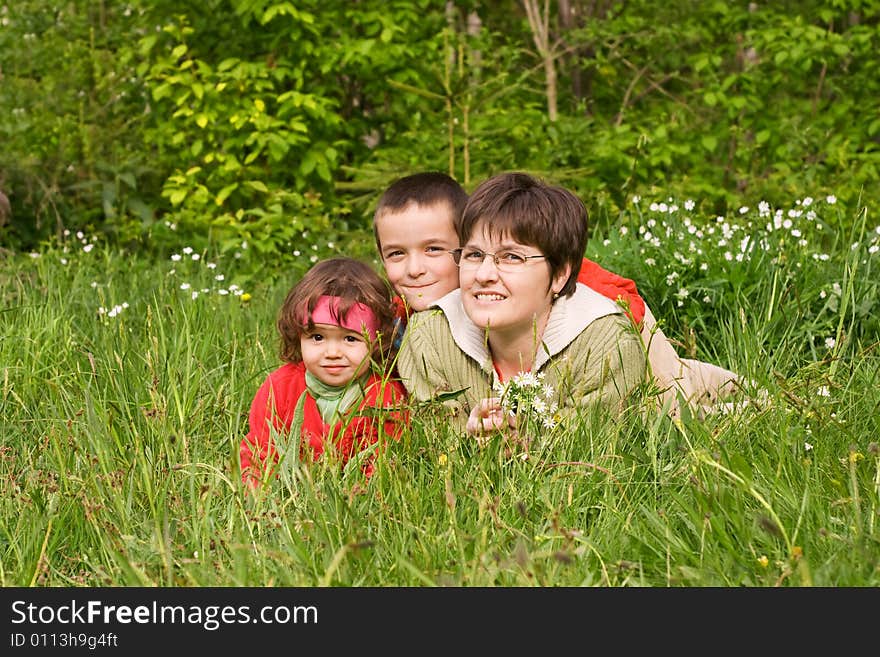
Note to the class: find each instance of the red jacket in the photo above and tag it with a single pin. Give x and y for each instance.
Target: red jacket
(613, 286)
(282, 390)
(596, 278)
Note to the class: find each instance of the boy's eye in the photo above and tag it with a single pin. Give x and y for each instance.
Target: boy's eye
(435, 250)
(397, 253)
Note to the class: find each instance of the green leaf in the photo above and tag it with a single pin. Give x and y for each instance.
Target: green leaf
(424, 93)
(259, 185)
(308, 163)
(446, 396)
(224, 193)
(709, 142)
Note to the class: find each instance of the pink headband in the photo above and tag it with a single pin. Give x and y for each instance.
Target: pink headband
(358, 319)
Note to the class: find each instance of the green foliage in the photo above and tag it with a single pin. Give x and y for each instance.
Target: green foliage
(256, 120)
(71, 104)
(258, 130)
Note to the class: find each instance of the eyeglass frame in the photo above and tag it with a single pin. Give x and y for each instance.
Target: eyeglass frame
(457, 253)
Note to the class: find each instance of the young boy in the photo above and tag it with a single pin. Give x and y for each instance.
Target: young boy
(416, 225)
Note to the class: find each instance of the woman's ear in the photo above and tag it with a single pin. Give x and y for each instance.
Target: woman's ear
(560, 280)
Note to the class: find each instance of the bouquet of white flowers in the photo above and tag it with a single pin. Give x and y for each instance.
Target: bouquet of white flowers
(530, 400)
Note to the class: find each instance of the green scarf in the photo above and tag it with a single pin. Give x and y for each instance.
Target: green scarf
(334, 401)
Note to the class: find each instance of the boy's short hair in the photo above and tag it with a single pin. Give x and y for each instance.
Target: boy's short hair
(532, 212)
(424, 189)
(353, 282)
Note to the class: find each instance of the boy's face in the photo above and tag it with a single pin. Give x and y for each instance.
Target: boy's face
(415, 252)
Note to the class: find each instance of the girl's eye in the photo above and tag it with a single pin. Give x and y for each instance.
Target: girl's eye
(352, 339)
(316, 337)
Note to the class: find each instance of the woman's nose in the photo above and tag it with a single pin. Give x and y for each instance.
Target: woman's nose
(488, 270)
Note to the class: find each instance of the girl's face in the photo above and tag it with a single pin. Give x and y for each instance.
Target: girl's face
(511, 296)
(333, 354)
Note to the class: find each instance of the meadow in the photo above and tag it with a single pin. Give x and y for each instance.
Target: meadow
(125, 381)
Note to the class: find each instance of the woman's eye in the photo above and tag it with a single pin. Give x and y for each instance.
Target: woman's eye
(512, 258)
(473, 255)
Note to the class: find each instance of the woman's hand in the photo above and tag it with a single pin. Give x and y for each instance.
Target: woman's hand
(488, 417)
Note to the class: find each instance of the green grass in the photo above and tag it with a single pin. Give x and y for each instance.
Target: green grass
(119, 445)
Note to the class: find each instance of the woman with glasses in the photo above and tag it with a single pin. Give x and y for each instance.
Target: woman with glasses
(519, 310)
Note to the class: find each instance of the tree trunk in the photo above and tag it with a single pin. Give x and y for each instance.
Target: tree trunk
(539, 23)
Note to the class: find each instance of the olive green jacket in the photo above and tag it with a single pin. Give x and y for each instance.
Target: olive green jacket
(590, 353)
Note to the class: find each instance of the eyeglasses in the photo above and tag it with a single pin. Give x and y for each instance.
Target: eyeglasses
(505, 261)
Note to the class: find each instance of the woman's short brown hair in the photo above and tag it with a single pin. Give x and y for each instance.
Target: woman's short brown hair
(353, 282)
(531, 212)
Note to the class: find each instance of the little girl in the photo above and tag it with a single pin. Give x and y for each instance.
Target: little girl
(334, 323)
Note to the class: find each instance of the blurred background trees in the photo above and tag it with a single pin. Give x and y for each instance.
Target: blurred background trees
(258, 121)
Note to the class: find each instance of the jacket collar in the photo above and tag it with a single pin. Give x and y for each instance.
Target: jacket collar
(569, 316)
